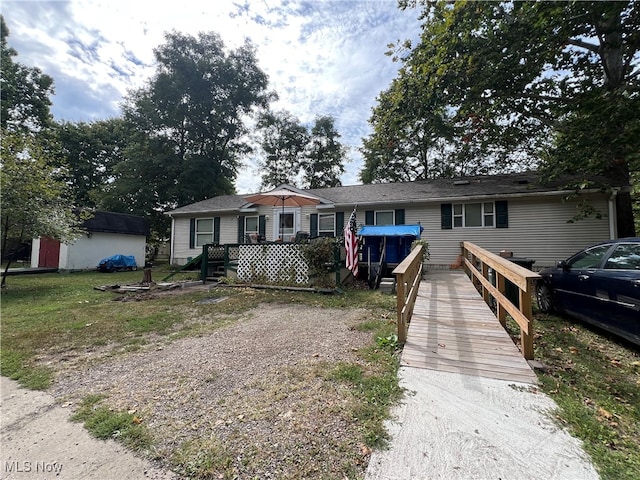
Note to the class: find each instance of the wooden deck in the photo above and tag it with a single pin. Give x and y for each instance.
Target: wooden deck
(454, 330)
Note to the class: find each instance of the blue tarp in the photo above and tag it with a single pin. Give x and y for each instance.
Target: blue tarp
(390, 231)
(117, 262)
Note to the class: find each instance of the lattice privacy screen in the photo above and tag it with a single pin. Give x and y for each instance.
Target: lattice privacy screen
(273, 263)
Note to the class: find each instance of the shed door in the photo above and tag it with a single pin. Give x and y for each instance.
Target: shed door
(49, 253)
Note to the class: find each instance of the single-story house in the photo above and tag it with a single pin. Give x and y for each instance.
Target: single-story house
(106, 234)
(512, 212)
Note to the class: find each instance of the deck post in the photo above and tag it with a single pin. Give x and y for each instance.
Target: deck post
(526, 335)
(502, 313)
(408, 274)
(504, 270)
(400, 298)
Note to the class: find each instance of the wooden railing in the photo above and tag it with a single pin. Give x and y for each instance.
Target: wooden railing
(408, 275)
(477, 263)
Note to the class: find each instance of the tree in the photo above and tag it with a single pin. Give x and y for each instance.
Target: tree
(410, 137)
(323, 161)
(549, 83)
(24, 91)
(91, 151)
(33, 193)
(189, 122)
(283, 141)
(35, 198)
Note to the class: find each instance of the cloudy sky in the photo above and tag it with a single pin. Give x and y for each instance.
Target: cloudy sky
(322, 57)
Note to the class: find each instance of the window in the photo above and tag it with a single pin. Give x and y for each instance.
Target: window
(326, 224)
(204, 231)
(624, 257)
(591, 258)
(384, 217)
(250, 225)
(470, 215)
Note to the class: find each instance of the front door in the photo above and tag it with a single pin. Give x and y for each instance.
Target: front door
(287, 223)
(49, 256)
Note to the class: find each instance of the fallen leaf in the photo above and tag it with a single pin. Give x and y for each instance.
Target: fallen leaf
(364, 450)
(137, 420)
(573, 349)
(602, 412)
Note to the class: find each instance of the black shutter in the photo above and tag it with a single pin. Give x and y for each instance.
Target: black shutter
(262, 226)
(216, 230)
(399, 216)
(369, 217)
(339, 223)
(241, 229)
(192, 233)
(313, 225)
(502, 214)
(446, 216)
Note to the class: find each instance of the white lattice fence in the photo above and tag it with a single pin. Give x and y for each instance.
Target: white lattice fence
(273, 263)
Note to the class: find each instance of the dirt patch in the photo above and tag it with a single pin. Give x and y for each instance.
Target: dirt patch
(251, 400)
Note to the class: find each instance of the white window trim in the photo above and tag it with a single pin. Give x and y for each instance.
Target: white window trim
(482, 214)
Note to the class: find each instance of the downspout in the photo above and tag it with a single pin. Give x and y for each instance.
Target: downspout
(172, 240)
(613, 224)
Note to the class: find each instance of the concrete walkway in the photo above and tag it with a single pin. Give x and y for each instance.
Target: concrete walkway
(40, 442)
(452, 426)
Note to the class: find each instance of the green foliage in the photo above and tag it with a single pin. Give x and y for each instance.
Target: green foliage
(104, 423)
(90, 152)
(33, 193)
(18, 366)
(375, 390)
(283, 142)
(190, 122)
(425, 248)
(509, 85)
(320, 257)
(324, 157)
(389, 342)
(25, 92)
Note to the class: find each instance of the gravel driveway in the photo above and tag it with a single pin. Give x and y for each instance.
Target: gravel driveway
(252, 398)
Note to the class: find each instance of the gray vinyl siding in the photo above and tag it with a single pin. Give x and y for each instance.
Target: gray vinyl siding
(539, 229)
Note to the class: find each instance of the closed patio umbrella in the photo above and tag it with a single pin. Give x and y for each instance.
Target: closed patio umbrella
(282, 197)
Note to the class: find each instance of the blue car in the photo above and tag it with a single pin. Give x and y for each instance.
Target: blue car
(599, 285)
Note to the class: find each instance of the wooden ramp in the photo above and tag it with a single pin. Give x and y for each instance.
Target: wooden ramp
(454, 330)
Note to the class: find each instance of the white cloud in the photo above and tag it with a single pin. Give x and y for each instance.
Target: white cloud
(322, 57)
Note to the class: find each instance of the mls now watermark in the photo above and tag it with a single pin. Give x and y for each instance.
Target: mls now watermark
(26, 466)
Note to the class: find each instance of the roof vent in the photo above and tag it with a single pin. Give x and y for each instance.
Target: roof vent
(461, 182)
(522, 181)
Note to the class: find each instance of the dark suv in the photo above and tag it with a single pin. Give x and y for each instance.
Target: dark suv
(599, 285)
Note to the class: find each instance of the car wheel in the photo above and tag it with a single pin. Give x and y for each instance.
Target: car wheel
(544, 294)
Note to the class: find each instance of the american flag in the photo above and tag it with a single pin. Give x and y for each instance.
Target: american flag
(351, 243)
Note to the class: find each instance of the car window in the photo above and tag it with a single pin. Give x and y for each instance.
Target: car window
(625, 257)
(590, 258)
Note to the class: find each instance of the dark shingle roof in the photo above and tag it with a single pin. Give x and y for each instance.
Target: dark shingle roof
(110, 222)
(513, 184)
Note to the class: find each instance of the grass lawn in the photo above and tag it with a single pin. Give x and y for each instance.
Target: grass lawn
(53, 315)
(594, 379)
